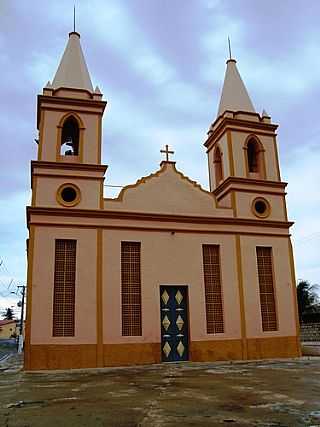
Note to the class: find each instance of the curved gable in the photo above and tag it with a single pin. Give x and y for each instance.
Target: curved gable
(165, 191)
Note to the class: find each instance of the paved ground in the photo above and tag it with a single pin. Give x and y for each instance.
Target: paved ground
(269, 393)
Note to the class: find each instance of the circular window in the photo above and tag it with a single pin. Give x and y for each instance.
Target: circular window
(68, 195)
(261, 207)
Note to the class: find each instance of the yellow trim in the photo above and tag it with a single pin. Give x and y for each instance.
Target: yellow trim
(99, 138)
(248, 190)
(161, 230)
(230, 153)
(234, 203)
(81, 145)
(99, 296)
(249, 181)
(294, 294)
(275, 146)
(34, 190)
(275, 293)
(61, 356)
(158, 217)
(236, 125)
(255, 212)
(73, 166)
(209, 169)
(285, 208)
(66, 107)
(273, 347)
(58, 143)
(27, 353)
(41, 136)
(101, 194)
(62, 202)
(68, 176)
(241, 299)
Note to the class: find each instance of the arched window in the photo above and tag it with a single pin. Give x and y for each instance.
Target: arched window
(70, 137)
(218, 165)
(253, 156)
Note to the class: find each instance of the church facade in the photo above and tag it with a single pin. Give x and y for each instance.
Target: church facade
(166, 271)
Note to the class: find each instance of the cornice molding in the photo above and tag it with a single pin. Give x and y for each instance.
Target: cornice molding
(229, 122)
(141, 216)
(67, 101)
(65, 165)
(42, 164)
(248, 181)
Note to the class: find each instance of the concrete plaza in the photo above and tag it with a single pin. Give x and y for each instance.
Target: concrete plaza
(260, 393)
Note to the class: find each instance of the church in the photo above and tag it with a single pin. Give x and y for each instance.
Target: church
(166, 271)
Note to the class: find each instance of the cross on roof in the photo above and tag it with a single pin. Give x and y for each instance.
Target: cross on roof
(167, 152)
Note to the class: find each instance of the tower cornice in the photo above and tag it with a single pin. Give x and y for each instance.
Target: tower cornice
(232, 121)
(65, 101)
(247, 183)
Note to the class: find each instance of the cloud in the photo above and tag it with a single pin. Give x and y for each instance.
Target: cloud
(303, 174)
(161, 67)
(129, 42)
(13, 229)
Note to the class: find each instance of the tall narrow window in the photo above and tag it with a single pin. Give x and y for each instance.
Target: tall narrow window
(266, 287)
(70, 137)
(131, 289)
(213, 291)
(218, 165)
(253, 156)
(64, 288)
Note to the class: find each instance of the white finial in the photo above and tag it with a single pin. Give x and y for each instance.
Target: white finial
(264, 113)
(229, 44)
(74, 18)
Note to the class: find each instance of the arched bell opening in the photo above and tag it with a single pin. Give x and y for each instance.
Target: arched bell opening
(218, 168)
(254, 153)
(70, 137)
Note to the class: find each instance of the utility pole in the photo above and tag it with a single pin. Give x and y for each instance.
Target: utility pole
(20, 337)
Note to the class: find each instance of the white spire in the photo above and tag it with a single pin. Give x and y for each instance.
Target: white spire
(234, 96)
(73, 71)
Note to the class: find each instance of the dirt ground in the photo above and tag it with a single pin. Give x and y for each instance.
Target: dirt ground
(262, 393)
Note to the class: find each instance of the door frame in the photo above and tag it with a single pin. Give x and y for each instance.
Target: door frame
(180, 285)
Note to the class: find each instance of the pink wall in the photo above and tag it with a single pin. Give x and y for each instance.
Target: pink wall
(283, 286)
(168, 259)
(42, 286)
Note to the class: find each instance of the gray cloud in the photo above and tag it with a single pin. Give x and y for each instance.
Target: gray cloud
(161, 67)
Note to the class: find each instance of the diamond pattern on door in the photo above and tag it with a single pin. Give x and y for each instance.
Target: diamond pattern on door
(179, 297)
(165, 297)
(174, 323)
(180, 348)
(166, 322)
(180, 322)
(166, 349)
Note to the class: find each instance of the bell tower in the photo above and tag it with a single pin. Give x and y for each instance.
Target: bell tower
(68, 172)
(242, 155)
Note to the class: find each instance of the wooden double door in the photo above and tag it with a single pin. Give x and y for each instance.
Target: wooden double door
(174, 323)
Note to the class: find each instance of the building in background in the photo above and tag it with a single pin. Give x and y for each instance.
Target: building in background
(167, 271)
(8, 329)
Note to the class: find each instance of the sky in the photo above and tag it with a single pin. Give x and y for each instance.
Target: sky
(160, 65)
